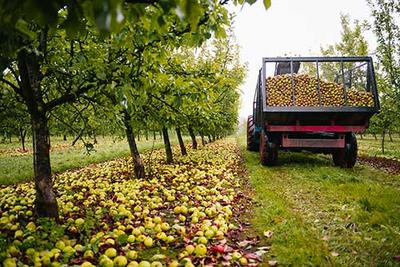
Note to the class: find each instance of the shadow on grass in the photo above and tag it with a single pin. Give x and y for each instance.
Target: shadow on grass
(302, 158)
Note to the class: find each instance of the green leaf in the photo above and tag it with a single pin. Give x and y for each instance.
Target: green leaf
(23, 27)
(251, 1)
(267, 4)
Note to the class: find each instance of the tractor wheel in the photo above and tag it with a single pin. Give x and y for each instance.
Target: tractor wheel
(346, 157)
(251, 128)
(268, 151)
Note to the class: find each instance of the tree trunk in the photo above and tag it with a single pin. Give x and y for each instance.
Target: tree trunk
(375, 136)
(22, 135)
(213, 137)
(65, 137)
(390, 136)
(209, 139)
(147, 135)
(203, 141)
(193, 137)
(167, 144)
(94, 137)
(161, 134)
(138, 135)
(45, 202)
(361, 136)
(137, 161)
(154, 135)
(181, 143)
(383, 141)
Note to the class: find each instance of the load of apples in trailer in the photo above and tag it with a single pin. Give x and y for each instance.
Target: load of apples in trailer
(312, 103)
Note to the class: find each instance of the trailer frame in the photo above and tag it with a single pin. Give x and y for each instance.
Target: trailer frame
(318, 129)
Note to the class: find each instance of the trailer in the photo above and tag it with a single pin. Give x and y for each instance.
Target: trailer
(319, 128)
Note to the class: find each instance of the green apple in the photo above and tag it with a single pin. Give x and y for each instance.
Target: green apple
(236, 255)
(209, 234)
(165, 226)
(10, 262)
(173, 263)
(243, 261)
(79, 222)
(202, 240)
(157, 220)
(88, 254)
(189, 249)
(18, 234)
(156, 264)
(131, 255)
(148, 242)
(60, 244)
(131, 239)
(200, 250)
(144, 264)
(31, 226)
(106, 262)
(79, 247)
(136, 231)
(110, 252)
(120, 261)
(87, 264)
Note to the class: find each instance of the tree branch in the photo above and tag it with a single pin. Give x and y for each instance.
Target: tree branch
(68, 97)
(13, 86)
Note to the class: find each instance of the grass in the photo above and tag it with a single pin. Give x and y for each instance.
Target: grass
(15, 169)
(323, 215)
(370, 147)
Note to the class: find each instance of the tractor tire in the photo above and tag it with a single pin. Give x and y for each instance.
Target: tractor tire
(251, 128)
(268, 151)
(346, 157)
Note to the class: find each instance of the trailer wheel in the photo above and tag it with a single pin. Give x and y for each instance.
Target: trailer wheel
(268, 151)
(251, 128)
(347, 156)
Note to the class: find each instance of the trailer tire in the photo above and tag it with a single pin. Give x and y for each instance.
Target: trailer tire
(268, 150)
(347, 156)
(251, 128)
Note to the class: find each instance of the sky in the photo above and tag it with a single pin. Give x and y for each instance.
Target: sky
(289, 27)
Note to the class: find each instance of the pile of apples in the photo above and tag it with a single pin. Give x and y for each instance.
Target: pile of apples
(301, 90)
(109, 218)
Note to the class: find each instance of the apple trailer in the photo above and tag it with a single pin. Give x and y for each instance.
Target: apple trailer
(319, 128)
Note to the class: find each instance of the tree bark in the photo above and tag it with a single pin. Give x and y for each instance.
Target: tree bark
(137, 160)
(361, 136)
(209, 139)
(376, 138)
(167, 145)
(138, 135)
(29, 68)
(383, 141)
(390, 136)
(203, 141)
(22, 135)
(147, 135)
(154, 135)
(193, 137)
(65, 137)
(94, 137)
(45, 202)
(180, 140)
(213, 137)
